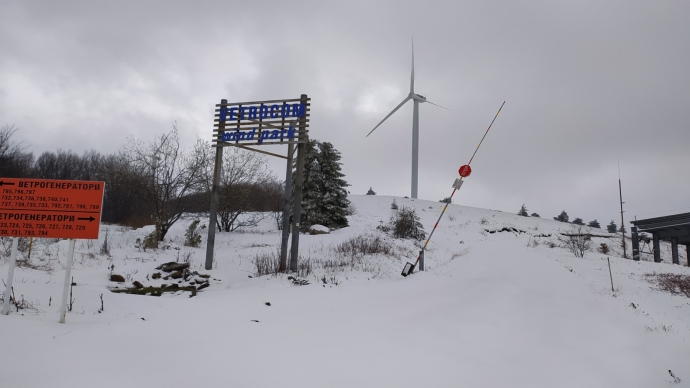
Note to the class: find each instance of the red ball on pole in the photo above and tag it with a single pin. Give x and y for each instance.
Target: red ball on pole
(465, 171)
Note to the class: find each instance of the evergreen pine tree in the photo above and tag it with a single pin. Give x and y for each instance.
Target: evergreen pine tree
(324, 198)
(523, 211)
(332, 188)
(594, 224)
(535, 215)
(611, 228)
(371, 192)
(622, 229)
(578, 221)
(563, 217)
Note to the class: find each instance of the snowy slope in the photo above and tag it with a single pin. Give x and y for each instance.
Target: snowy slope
(493, 310)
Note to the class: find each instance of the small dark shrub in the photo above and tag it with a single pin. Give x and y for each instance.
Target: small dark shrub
(192, 238)
(603, 248)
(405, 224)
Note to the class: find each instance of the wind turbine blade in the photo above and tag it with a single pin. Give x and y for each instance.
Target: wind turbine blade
(412, 76)
(438, 105)
(389, 115)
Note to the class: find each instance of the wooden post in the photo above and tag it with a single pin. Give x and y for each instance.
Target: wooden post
(211, 239)
(297, 208)
(421, 260)
(286, 209)
(610, 275)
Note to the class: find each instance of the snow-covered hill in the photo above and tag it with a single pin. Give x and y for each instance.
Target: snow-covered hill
(500, 305)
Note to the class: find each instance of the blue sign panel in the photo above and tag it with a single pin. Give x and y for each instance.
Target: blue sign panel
(263, 122)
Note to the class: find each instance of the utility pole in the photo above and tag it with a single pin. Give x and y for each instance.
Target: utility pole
(620, 193)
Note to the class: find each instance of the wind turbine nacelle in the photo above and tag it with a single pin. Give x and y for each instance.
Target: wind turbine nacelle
(418, 97)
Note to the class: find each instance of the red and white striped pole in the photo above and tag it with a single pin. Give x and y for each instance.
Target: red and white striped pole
(464, 172)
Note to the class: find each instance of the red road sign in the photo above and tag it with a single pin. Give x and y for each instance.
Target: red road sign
(50, 208)
(465, 171)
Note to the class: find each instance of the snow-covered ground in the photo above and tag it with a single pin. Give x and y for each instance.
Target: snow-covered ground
(502, 309)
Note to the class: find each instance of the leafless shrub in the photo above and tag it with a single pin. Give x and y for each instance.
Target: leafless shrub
(45, 266)
(186, 257)
(277, 217)
(675, 284)
(304, 268)
(577, 241)
(330, 279)
(21, 303)
(267, 263)
(364, 245)
(661, 328)
(451, 217)
(551, 244)
(483, 221)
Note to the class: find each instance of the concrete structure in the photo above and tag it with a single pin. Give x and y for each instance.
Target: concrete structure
(674, 229)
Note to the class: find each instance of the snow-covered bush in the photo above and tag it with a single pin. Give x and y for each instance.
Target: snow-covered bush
(405, 223)
(192, 238)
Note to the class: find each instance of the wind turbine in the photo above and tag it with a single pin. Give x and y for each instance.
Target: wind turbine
(417, 99)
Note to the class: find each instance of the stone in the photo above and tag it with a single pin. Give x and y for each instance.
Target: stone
(137, 284)
(176, 275)
(318, 229)
(156, 275)
(117, 278)
(173, 266)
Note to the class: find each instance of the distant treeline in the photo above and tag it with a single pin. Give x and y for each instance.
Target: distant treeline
(154, 182)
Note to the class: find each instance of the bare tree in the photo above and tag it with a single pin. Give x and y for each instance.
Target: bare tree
(169, 174)
(578, 241)
(14, 162)
(243, 177)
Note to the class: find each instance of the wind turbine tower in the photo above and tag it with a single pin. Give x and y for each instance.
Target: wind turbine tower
(416, 99)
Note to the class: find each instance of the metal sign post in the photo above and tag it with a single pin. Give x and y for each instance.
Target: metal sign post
(10, 276)
(48, 208)
(68, 282)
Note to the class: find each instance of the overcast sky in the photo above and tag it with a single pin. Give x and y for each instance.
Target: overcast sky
(587, 84)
